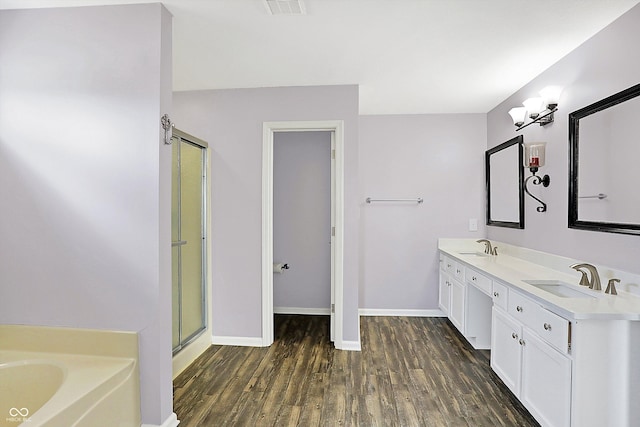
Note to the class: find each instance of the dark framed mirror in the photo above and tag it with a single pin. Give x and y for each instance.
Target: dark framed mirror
(504, 176)
(603, 164)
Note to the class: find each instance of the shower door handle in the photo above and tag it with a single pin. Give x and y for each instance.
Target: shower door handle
(178, 243)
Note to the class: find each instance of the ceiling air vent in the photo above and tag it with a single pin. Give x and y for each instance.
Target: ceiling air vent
(285, 7)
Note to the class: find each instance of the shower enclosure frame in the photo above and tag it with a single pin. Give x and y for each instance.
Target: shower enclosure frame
(179, 136)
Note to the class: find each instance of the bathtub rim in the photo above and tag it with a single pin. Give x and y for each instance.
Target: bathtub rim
(76, 391)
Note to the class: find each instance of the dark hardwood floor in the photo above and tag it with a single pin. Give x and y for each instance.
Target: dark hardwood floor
(410, 372)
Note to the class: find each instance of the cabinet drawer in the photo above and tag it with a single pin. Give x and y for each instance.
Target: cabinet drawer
(449, 265)
(499, 295)
(454, 268)
(522, 308)
(458, 271)
(552, 328)
(480, 281)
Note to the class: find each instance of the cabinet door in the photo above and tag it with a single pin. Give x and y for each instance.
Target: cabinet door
(506, 360)
(546, 382)
(443, 297)
(456, 307)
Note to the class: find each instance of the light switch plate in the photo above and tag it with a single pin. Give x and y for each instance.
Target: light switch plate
(473, 224)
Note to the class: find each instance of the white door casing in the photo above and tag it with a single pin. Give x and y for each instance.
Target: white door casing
(336, 127)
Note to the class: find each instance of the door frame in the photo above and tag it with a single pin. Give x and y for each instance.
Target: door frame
(337, 203)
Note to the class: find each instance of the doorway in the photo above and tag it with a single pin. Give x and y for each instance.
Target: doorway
(335, 128)
(188, 238)
(302, 224)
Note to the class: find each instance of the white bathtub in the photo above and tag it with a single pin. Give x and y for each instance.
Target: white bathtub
(52, 389)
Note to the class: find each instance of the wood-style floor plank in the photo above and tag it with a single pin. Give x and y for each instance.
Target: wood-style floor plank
(411, 372)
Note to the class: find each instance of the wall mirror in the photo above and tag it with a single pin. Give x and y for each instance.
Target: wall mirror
(504, 177)
(604, 149)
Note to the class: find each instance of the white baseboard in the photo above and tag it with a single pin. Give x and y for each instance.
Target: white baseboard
(302, 310)
(404, 313)
(350, 346)
(238, 341)
(171, 421)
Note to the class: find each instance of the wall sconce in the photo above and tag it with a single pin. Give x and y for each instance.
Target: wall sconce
(534, 159)
(540, 110)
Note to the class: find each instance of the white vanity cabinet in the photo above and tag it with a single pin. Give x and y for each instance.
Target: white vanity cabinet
(546, 381)
(444, 296)
(477, 308)
(452, 291)
(457, 305)
(464, 298)
(506, 351)
(572, 361)
(531, 365)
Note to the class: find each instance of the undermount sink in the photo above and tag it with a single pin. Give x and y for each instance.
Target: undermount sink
(559, 288)
(474, 253)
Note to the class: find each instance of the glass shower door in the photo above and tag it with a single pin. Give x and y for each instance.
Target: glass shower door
(188, 238)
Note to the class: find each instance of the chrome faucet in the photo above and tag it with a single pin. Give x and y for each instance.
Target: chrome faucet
(488, 249)
(594, 283)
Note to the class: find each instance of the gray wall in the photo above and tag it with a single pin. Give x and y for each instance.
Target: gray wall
(302, 220)
(439, 158)
(602, 66)
(85, 179)
(231, 121)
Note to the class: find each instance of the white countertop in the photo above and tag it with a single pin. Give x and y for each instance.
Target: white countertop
(514, 271)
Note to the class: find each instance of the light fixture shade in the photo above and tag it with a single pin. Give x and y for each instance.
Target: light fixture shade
(518, 115)
(551, 96)
(534, 154)
(534, 106)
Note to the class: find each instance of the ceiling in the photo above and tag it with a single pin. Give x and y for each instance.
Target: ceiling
(407, 56)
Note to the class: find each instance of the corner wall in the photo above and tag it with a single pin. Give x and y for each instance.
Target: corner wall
(602, 66)
(85, 178)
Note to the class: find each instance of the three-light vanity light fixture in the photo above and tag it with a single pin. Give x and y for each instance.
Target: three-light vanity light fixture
(537, 110)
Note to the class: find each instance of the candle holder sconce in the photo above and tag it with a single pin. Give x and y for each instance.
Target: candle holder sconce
(534, 153)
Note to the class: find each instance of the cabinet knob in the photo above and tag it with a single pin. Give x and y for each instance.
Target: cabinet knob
(514, 335)
(457, 271)
(547, 327)
(521, 341)
(519, 309)
(448, 265)
(495, 294)
(473, 278)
